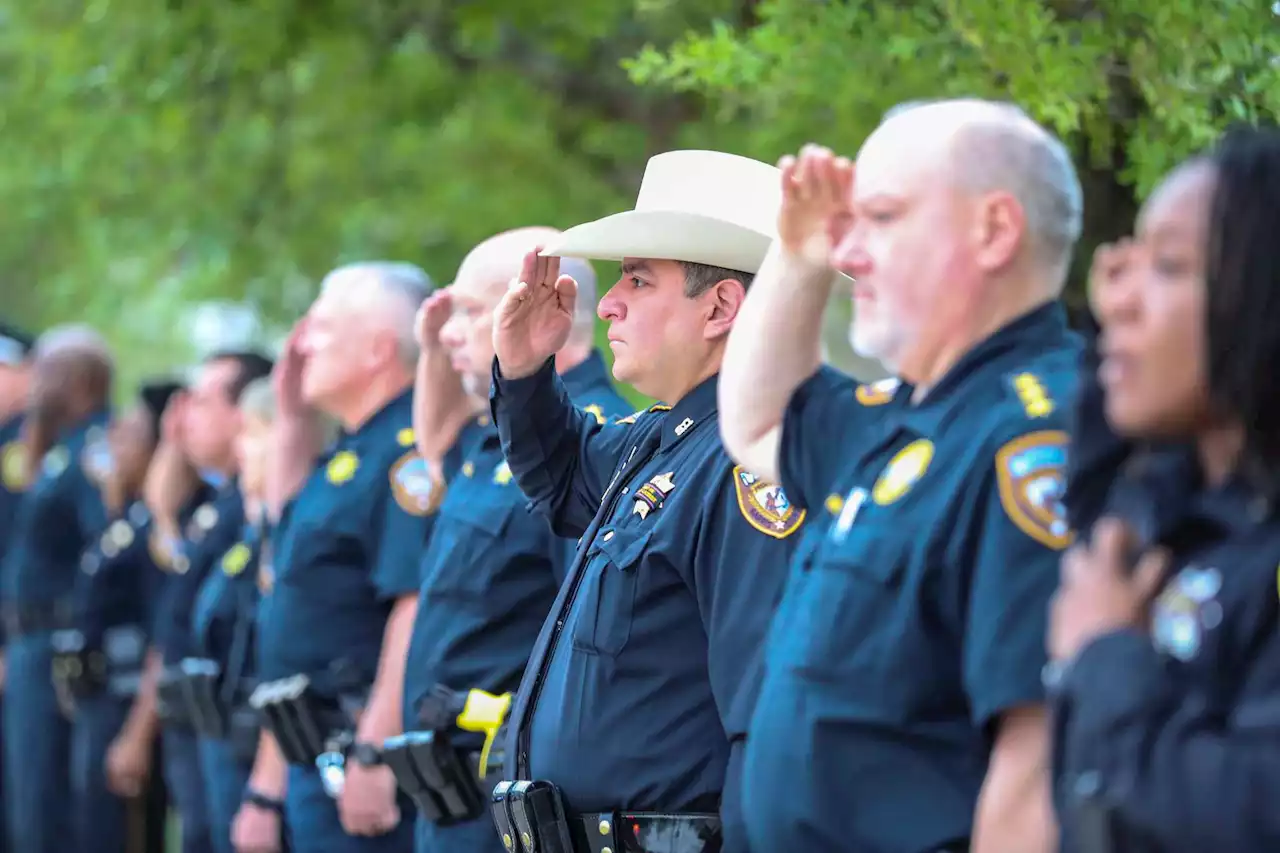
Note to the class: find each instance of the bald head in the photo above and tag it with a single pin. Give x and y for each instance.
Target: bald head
(987, 146)
(493, 263)
(385, 294)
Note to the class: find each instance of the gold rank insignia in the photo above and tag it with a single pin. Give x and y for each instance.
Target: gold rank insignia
(468, 468)
(236, 558)
(1031, 474)
(904, 469)
(657, 407)
(342, 467)
(765, 505)
(877, 393)
(13, 466)
(502, 474)
(405, 437)
(595, 412)
(651, 495)
(1032, 394)
(415, 490)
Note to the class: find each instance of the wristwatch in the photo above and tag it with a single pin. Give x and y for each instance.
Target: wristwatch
(365, 754)
(262, 801)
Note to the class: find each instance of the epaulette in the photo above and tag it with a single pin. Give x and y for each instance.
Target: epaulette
(657, 407)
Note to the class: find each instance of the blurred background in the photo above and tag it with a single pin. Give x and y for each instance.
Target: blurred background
(182, 174)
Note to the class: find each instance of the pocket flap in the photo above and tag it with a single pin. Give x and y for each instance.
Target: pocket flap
(621, 546)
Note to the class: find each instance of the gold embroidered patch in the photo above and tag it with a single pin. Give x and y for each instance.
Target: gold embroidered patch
(413, 487)
(1032, 394)
(342, 467)
(877, 393)
(1031, 473)
(595, 411)
(833, 504)
(904, 469)
(405, 437)
(631, 418)
(236, 559)
(13, 467)
(502, 474)
(765, 505)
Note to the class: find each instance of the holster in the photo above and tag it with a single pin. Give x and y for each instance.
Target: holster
(79, 669)
(304, 721)
(531, 816)
(171, 702)
(200, 685)
(244, 725)
(442, 780)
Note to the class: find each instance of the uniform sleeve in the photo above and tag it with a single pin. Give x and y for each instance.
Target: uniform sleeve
(743, 553)
(820, 421)
(1183, 776)
(90, 511)
(408, 513)
(1019, 530)
(561, 457)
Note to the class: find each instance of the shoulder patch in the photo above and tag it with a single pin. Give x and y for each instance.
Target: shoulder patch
(765, 506)
(657, 407)
(13, 466)
(1032, 394)
(877, 393)
(411, 484)
(236, 559)
(1031, 471)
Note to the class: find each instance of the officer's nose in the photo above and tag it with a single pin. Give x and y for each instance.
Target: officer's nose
(611, 306)
(849, 255)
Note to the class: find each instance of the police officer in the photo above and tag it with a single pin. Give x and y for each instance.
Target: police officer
(60, 515)
(902, 709)
(637, 696)
(492, 570)
(224, 622)
(100, 660)
(333, 634)
(205, 422)
(1164, 630)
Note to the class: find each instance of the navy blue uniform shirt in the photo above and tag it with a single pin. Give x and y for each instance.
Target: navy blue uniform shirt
(1170, 741)
(119, 579)
(492, 568)
(13, 483)
(223, 619)
(645, 671)
(212, 528)
(917, 610)
(59, 517)
(345, 548)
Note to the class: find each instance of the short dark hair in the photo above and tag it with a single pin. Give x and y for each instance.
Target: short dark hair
(699, 278)
(252, 365)
(1242, 281)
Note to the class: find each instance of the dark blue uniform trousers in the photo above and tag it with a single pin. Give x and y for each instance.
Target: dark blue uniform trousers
(38, 757)
(185, 782)
(225, 778)
(478, 836)
(99, 816)
(314, 826)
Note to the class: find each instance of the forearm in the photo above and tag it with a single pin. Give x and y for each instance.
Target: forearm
(143, 719)
(270, 772)
(294, 441)
(440, 404)
(775, 345)
(383, 716)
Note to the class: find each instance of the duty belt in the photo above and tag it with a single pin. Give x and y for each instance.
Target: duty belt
(196, 694)
(531, 818)
(305, 722)
(35, 618)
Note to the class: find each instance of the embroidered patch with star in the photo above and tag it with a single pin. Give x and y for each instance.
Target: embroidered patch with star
(13, 466)
(502, 474)
(765, 506)
(411, 484)
(1031, 473)
(904, 469)
(236, 558)
(342, 467)
(877, 393)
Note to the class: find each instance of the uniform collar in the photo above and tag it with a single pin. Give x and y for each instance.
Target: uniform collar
(1035, 330)
(695, 407)
(587, 376)
(393, 411)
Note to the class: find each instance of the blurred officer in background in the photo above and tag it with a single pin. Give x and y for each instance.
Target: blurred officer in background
(637, 696)
(202, 436)
(491, 570)
(902, 708)
(1164, 630)
(59, 517)
(100, 667)
(334, 632)
(15, 382)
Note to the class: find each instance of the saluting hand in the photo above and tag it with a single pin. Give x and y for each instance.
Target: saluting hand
(817, 203)
(286, 378)
(431, 317)
(1098, 593)
(535, 316)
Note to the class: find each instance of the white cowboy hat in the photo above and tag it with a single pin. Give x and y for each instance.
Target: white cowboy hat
(703, 207)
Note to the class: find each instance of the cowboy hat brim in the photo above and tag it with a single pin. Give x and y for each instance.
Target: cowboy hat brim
(664, 235)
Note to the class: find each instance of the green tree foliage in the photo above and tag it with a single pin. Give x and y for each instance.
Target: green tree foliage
(158, 154)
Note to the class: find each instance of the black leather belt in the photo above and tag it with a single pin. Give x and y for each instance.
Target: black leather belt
(36, 618)
(531, 818)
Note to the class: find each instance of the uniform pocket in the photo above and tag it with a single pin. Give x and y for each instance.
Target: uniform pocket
(608, 592)
(460, 543)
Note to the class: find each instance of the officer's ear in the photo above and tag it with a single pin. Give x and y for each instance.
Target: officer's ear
(721, 303)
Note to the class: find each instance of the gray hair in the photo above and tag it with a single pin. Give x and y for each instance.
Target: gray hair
(258, 399)
(699, 278)
(402, 287)
(999, 146)
(584, 310)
